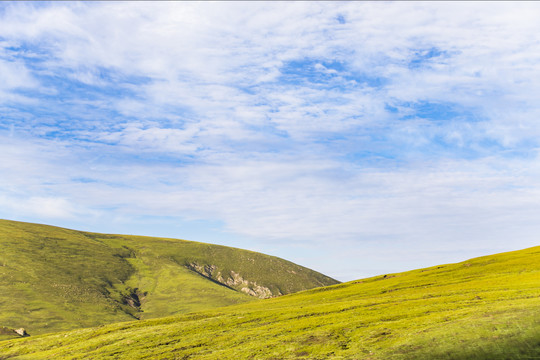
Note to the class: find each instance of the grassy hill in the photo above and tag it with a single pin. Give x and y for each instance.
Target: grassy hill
(54, 279)
(484, 308)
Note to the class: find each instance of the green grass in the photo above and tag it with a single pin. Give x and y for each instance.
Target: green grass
(486, 308)
(54, 279)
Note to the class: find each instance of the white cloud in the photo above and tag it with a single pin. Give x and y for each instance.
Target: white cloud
(427, 212)
(14, 75)
(194, 110)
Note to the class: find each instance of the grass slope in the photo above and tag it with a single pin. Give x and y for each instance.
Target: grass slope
(484, 308)
(54, 279)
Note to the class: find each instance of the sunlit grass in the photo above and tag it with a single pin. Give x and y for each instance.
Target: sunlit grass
(54, 279)
(485, 308)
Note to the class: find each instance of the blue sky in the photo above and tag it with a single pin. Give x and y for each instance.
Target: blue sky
(355, 138)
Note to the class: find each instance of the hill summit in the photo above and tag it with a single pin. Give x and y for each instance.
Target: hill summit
(54, 279)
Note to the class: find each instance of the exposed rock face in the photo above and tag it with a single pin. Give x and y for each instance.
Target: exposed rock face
(206, 270)
(234, 281)
(250, 288)
(134, 299)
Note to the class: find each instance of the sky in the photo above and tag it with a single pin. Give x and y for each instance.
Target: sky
(354, 138)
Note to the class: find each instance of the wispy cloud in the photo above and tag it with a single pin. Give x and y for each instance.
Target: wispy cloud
(353, 130)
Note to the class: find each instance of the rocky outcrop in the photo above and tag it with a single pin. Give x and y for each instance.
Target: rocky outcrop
(206, 270)
(233, 280)
(13, 332)
(134, 299)
(236, 280)
(21, 332)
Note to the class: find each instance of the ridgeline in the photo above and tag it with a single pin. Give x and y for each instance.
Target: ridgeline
(54, 279)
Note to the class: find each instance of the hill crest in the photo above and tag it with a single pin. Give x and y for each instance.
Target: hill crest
(54, 279)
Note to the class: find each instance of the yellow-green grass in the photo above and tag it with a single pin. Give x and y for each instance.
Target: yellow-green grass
(484, 308)
(54, 279)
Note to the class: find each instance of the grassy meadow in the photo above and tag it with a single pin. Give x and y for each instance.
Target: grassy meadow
(485, 308)
(54, 279)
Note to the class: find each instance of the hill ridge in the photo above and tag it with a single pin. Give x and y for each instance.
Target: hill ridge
(56, 278)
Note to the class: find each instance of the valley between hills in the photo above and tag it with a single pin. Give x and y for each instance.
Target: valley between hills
(84, 295)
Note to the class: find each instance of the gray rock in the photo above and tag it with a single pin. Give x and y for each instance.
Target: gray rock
(21, 332)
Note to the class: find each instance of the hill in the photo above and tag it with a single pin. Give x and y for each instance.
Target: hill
(484, 308)
(54, 279)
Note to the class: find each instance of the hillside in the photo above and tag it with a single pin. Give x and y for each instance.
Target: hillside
(54, 279)
(484, 308)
